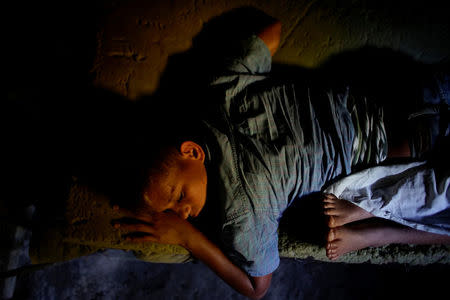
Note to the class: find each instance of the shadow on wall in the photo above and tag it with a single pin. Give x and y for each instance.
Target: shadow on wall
(181, 92)
(102, 137)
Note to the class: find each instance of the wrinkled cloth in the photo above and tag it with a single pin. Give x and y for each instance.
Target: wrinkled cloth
(269, 144)
(370, 144)
(430, 123)
(415, 194)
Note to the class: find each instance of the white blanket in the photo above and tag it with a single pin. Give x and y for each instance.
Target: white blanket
(412, 194)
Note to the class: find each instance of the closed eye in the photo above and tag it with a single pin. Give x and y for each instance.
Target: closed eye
(181, 197)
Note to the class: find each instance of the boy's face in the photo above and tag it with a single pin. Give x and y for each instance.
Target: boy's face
(183, 191)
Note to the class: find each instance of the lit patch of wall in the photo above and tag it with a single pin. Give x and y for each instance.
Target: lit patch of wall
(138, 37)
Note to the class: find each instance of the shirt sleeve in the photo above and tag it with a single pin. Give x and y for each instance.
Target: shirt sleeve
(253, 246)
(251, 56)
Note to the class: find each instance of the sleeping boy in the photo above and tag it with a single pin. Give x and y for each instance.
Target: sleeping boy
(262, 144)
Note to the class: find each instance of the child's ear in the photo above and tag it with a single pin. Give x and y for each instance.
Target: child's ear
(192, 150)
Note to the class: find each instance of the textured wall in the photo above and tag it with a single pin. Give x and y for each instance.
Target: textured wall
(136, 38)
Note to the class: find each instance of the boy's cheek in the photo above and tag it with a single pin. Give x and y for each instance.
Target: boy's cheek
(146, 206)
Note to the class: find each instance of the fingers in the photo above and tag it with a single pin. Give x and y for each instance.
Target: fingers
(137, 232)
(147, 228)
(146, 217)
(164, 227)
(141, 239)
(122, 210)
(137, 227)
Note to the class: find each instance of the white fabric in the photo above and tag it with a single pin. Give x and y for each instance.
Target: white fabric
(413, 194)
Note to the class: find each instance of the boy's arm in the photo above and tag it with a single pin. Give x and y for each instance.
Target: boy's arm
(271, 36)
(248, 54)
(212, 256)
(168, 228)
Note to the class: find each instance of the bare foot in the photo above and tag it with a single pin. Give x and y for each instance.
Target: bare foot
(374, 233)
(342, 212)
(349, 238)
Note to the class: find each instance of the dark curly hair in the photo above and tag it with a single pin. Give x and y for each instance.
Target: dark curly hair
(151, 157)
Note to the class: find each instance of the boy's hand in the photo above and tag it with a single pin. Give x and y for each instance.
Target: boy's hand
(169, 228)
(164, 228)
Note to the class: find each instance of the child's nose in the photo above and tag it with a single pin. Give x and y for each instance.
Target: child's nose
(184, 211)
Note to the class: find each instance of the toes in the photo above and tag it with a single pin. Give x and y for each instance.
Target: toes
(328, 253)
(332, 254)
(332, 250)
(329, 198)
(329, 205)
(331, 246)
